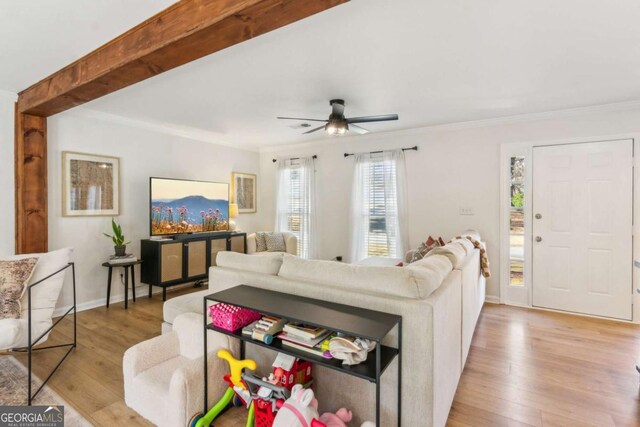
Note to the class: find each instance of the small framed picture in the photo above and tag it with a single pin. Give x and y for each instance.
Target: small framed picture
(244, 191)
(90, 184)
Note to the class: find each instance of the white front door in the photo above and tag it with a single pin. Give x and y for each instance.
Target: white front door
(582, 220)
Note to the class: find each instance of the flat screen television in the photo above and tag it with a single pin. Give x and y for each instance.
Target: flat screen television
(181, 206)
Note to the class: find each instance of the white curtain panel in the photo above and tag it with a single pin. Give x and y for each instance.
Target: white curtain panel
(296, 203)
(379, 206)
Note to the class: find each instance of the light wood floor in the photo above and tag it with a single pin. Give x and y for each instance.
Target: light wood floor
(525, 368)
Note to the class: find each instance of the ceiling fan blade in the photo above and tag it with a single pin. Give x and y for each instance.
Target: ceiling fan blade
(314, 130)
(369, 119)
(304, 120)
(357, 129)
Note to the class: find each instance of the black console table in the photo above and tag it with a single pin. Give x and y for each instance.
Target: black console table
(185, 258)
(352, 321)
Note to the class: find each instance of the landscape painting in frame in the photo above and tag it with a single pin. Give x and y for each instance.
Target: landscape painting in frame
(244, 191)
(183, 206)
(90, 185)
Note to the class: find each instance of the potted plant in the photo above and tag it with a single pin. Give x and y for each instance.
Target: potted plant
(118, 238)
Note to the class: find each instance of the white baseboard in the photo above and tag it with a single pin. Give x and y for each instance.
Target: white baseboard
(101, 302)
(492, 299)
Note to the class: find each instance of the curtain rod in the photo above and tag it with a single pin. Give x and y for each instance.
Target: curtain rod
(414, 148)
(296, 158)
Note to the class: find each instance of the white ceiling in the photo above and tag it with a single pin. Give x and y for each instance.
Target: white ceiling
(38, 37)
(430, 61)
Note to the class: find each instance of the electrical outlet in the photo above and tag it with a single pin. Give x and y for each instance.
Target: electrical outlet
(466, 210)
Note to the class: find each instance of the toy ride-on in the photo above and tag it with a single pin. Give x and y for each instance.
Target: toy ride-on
(243, 390)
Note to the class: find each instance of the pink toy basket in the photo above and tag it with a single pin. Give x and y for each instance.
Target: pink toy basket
(230, 317)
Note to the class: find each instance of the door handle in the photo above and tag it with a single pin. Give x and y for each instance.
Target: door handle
(538, 239)
(538, 216)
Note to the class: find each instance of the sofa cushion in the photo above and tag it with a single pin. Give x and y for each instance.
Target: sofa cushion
(189, 303)
(14, 277)
(433, 269)
(425, 248)
(275, 242)
(261, 242)
(416, 283)
(45, 296)
(466, 244)
(454, 251)
(13, 333)
(267, 263)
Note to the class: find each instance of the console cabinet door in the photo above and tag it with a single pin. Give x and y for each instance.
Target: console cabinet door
(196, 258)
(217, 245)
(237, 244)
(171, 262)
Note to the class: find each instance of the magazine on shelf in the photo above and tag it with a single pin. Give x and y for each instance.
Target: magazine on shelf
(309, 343)
(304, 331)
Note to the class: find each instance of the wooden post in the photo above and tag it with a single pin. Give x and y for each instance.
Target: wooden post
(31, 183)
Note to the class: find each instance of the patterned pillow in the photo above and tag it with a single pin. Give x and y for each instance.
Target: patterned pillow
(425, 247)
(14, 278)
(275, 242)
(261, 243)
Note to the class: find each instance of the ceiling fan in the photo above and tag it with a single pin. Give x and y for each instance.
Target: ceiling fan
(338, 124)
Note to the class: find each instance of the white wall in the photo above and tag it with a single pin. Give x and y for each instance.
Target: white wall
(143, 153)
(7, 195)
(456, 166)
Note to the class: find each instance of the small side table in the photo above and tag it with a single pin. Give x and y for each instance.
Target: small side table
(128, 266)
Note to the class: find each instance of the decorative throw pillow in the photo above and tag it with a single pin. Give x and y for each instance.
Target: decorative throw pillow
(424, 248)
(14, 278)
(275, 242)
(261, 243)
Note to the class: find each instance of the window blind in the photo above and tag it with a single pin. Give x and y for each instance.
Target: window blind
(380, 213)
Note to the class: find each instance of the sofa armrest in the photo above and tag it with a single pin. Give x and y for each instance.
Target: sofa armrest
(147, 354)
(185, 389)
(291, 243)
(251, 243)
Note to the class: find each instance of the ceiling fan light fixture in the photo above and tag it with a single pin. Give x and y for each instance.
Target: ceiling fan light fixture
(336, 127)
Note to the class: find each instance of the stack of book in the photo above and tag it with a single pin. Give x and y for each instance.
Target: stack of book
(305, 338)
(125, 259)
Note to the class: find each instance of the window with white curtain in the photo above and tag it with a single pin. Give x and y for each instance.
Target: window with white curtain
(296, 203)
(378, 206)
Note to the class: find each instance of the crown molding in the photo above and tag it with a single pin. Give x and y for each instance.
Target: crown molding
(186, 132)
(472, 124)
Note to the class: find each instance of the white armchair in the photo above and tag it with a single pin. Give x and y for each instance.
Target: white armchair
(163, 376)
(32, 329)
(290, 241)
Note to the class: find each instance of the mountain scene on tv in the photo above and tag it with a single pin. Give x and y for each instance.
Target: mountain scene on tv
(197, 208)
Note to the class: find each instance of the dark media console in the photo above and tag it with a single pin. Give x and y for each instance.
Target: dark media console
(186, 258)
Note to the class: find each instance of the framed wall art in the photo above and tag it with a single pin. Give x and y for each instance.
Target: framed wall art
(244, 189)
(90, 184)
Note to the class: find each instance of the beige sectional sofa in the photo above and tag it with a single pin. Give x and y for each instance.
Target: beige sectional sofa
(439, 299)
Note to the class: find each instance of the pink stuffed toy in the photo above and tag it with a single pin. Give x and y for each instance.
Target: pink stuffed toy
(339, 419)
(300, 410)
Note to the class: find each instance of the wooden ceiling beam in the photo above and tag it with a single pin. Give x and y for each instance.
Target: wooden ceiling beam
(184, 32)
